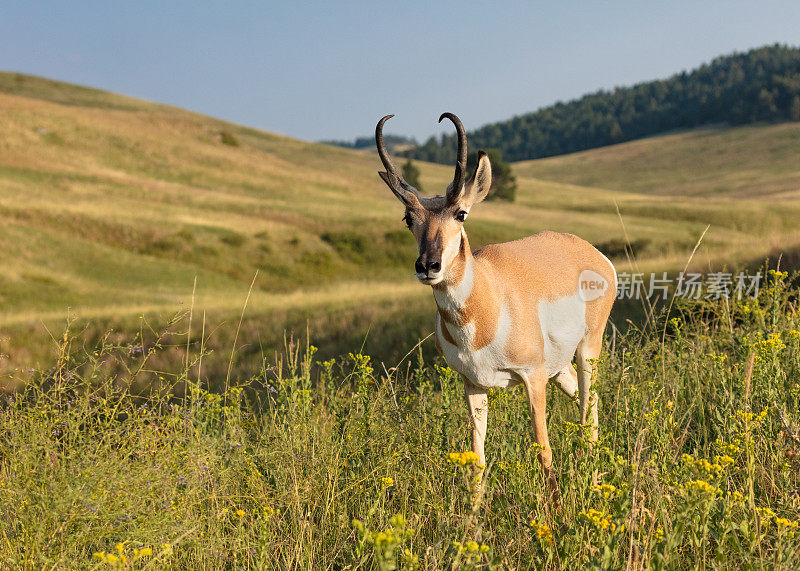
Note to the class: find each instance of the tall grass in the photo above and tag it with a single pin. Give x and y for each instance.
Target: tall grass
(346, 463)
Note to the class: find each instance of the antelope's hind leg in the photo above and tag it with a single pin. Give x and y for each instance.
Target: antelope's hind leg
(588, 401)
(536, 387)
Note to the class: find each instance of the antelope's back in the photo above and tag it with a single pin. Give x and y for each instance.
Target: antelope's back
(549, 266)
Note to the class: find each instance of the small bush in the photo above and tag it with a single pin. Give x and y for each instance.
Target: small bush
(233, 239)
(227, 138)
(617, 247)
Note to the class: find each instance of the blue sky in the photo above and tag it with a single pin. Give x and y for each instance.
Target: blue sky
(329, 70)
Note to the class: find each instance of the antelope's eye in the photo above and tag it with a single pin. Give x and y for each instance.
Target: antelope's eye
(461, 215)
(408, 221)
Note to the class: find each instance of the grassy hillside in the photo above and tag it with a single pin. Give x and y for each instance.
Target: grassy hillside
(744, 182)
(110, 207)
(756, 161)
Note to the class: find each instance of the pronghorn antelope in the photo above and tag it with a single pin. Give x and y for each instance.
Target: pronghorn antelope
(507, 313)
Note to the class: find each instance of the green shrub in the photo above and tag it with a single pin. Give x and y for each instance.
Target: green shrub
(227, 138)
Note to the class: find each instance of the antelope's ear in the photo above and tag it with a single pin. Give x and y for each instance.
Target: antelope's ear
(478, 186)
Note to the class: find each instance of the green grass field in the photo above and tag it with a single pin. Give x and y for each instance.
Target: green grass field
(343, 464)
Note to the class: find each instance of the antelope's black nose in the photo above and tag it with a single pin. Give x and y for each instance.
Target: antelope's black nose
(427, 267)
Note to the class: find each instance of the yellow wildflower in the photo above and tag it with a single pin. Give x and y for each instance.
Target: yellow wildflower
(718, 359)
(598, 519)
(787, 523)
(724, 460)
(700, 487)
(772, 344)
(463, 458)
(605, 490)
(766, 515)
(703, 465)
(729, 448)
(543, 532)
(387, 482)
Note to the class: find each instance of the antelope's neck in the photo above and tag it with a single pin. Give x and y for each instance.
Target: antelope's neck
(452, 293)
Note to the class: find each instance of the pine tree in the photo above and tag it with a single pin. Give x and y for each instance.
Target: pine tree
(794, 109)
(411, 174)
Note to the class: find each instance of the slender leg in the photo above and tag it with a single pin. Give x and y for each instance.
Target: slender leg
(536, 386)
(478, 404)
(588, 352)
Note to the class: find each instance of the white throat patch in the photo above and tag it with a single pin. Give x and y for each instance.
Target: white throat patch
(454, 297)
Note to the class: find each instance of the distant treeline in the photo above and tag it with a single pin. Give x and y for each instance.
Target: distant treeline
(760, 85)
(392, 142)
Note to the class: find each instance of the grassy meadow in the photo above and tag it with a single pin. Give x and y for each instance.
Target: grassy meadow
(213, 354)
(347, 464)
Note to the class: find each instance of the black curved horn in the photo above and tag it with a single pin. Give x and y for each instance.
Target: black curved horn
(392, 175)
(382, 152)
(461, 155)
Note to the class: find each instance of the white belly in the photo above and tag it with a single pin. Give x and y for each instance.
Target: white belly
(563, 326)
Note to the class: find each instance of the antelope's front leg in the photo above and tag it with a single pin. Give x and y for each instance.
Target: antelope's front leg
(536, 387)
(478, 404)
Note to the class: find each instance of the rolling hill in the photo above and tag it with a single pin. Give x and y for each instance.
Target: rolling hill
(111, 207)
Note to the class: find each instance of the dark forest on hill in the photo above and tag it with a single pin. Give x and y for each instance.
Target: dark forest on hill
(761, 85)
